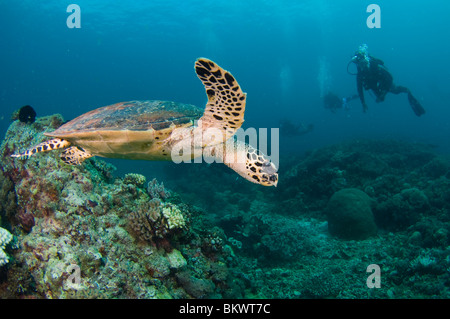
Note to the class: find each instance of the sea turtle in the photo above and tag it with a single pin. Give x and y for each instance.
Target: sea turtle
(162, 130)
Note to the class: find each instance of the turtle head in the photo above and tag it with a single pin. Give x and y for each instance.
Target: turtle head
(251, 164)
(245, 160)
(268, 175)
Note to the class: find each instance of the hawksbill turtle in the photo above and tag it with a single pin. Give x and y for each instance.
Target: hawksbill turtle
(156, 130)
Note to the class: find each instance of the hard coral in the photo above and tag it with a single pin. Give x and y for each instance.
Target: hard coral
(157, 190)
(402, 210)
(350, 215)
(154, 219)
(135, 179)
(5, 238)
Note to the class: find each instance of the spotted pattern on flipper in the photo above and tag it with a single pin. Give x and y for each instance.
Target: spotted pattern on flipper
(226, 101)
(74, 155)
(49, 145)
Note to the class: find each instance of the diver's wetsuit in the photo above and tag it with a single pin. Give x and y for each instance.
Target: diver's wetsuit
(333, 102)
(374, 76)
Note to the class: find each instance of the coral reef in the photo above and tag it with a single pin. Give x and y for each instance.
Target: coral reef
(402, 210)
(7, 196)
(281, 244)
(84, 233)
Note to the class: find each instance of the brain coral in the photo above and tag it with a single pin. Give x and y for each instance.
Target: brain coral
(350, 215)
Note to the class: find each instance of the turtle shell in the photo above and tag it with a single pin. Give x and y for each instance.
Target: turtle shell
(132, 116)
(134, 130)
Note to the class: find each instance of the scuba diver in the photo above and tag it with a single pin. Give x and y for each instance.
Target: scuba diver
(288, 128)
(332, 102)
(373, 75)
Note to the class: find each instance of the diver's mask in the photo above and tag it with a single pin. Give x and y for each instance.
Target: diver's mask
(360, 58)
(357, 57)
(362, 55)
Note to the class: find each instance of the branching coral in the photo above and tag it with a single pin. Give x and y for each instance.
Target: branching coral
(173, 216)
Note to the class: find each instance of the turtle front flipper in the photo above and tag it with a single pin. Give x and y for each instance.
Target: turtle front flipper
(49, 145)
(74, 155)
(226, 101)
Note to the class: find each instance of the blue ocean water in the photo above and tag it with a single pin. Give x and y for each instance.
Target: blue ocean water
(284, 54)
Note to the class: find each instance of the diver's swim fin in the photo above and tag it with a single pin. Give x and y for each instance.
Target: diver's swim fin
(417, 108)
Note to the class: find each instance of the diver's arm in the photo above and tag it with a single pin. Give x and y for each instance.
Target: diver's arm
(359, 86)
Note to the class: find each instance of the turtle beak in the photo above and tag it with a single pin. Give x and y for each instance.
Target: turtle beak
(271, 174)
(273, 180)
(275, 183)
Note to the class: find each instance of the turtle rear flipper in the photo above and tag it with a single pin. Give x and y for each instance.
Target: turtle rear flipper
(49, 145)
(226, 101)
(74, 156)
